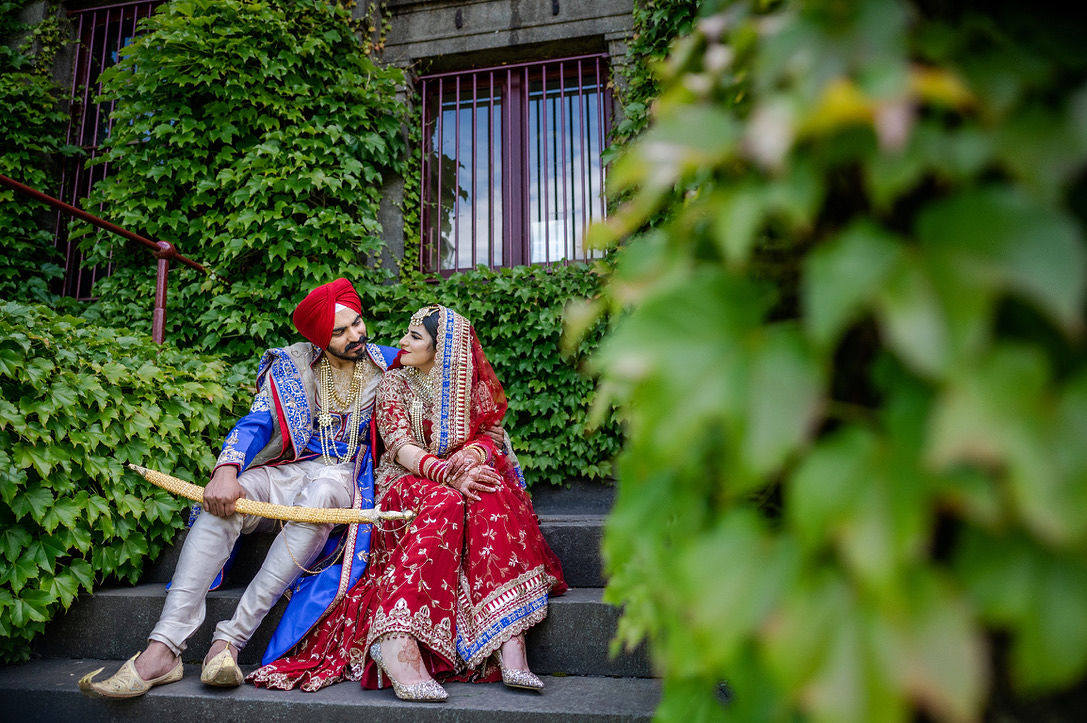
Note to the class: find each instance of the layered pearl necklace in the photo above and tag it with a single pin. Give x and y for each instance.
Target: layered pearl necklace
(328, 397)
(424, 387)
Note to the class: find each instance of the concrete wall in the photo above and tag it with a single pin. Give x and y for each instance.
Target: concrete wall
(447, 33)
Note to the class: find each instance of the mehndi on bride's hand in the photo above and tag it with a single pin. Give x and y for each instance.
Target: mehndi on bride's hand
(480, 478)
(463, 459)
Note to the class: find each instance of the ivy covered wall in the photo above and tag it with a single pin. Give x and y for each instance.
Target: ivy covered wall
(32, 139)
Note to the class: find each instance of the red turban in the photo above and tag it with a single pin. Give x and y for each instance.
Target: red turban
(315, 315)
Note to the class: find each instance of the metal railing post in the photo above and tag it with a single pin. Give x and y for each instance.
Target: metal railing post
(158, 317)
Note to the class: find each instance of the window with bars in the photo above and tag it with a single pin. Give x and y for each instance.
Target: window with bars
(512, 170)
(102, 33)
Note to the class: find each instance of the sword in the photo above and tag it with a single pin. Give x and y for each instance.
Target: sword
(287, 513)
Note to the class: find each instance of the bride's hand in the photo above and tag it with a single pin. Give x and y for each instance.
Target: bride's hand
(461, 461)
(481, 478)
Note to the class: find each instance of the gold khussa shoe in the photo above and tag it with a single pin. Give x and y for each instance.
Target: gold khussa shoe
(221, 671)
(426, 691)
(523, 679)
(126, 682)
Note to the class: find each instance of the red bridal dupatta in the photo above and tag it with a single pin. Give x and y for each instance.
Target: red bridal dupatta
(466, 576)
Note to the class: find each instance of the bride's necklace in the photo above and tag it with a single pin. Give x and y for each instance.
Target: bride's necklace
(329, 401)
(424, 387)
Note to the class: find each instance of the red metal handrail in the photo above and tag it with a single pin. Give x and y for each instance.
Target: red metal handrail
(163, 250)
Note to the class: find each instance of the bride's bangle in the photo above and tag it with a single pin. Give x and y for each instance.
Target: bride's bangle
(480, 451)
(434, 468)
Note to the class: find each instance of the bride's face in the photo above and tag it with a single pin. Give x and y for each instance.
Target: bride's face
(418, 347)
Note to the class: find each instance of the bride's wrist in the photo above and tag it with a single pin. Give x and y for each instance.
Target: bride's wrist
(434, 468)
(478, 451)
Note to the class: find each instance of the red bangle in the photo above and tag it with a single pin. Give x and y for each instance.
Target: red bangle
(433, 468)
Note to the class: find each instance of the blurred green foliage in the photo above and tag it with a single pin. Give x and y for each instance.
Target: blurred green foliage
(77, 402)
(256, 137)
(32, 142)
(851, 362)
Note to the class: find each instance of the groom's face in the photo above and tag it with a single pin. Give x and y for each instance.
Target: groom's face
(349, 339)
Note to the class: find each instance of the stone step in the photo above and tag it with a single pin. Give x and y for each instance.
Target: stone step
(46, 690)
(574, 639)
(575, 538)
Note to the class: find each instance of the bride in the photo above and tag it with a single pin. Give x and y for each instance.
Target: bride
(452, 595)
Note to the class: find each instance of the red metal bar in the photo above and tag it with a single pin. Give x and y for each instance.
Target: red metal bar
(99, 222)
(474, 80)
(163, 251)
(98, 79)
(490, 172)
(600, 127)
(158, 317)
(510, 66)
(68, 137)
(456, 177)
(439, 155)
(424, 176)
(562, 112)
(583, 152)
(94, 138)
(544, 110)
(507, 181)
(86, 82)
(525, 229)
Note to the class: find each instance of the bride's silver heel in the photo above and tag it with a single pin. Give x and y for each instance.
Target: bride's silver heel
(523, 679)
(428, 691)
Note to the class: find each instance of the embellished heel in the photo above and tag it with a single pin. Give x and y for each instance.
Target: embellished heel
(521, 679)
(426, 691)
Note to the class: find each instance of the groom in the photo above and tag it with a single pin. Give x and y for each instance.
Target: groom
(307, 441)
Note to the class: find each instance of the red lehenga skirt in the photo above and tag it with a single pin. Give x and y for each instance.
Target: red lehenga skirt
(463, 578)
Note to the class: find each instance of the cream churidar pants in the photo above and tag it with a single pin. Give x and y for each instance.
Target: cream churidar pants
(309, 483)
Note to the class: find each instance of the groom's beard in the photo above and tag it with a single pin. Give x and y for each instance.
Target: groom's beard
(352, 352)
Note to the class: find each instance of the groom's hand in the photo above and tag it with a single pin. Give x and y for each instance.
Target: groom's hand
(497, 435)
(223, 491)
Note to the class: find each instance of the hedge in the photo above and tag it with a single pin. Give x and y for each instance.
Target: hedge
(78, 402)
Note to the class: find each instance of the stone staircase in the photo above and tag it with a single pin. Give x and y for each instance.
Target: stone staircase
(569, 649)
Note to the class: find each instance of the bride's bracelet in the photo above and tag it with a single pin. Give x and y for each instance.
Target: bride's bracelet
(480, 451)
(434, 468)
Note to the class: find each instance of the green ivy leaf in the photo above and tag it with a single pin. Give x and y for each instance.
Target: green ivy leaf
(785, 393)
(1008, 241)
(844, 276)
(35, 501)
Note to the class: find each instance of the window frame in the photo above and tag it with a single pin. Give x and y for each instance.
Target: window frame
(504, 88)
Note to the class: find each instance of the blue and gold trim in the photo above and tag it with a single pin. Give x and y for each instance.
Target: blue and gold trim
(295, 405)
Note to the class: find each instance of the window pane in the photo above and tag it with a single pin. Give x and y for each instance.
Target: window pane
(564, 122)
(466, 140)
